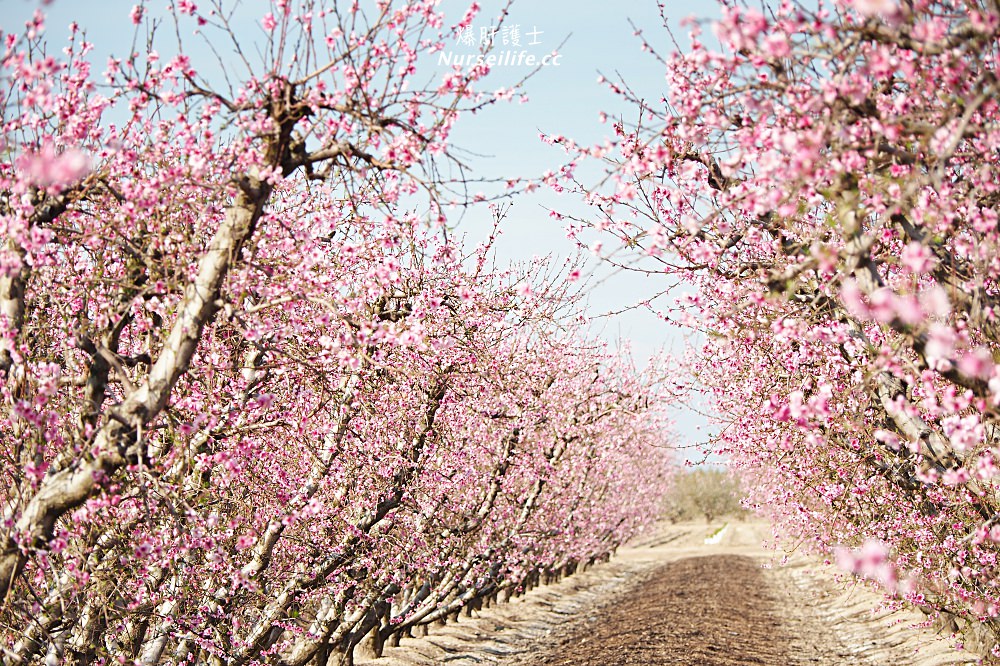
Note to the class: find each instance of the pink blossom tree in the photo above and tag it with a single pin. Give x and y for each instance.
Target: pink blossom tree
(825, 185)
(257, 406)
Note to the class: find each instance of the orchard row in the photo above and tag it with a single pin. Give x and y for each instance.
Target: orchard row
(258, 403)
(826, 181)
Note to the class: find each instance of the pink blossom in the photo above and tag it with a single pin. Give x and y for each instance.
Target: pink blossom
(940, 346)
(470, 15)
(909, 310)
(269, 22)
(955, 477)
(917, 258)
(850, 293)
(776, 45)
(965, 432)
(47, 168)
(873, 7)
(977, 363)
(883, 304)
(935, 300)
(870, 561)
(37, 472)
(246, 540)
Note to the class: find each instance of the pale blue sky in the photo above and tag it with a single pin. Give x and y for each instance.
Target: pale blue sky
(565, 99)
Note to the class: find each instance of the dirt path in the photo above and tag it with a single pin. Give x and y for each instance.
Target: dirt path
(672, 599)
(735, 620)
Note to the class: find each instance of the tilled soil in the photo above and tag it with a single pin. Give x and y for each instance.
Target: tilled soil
(677, 597)
(704, 611)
